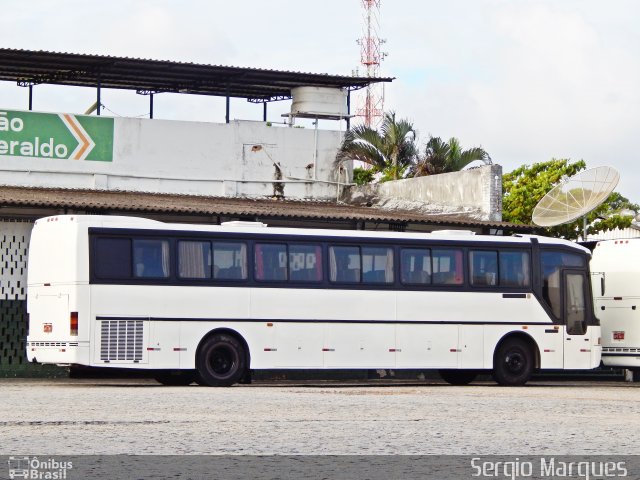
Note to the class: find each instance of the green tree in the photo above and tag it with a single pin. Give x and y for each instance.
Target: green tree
(525, 186)
(442, 157)
(362, 176)
(389, 151)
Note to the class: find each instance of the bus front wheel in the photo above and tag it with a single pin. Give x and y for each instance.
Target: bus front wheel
(221, 361)
(513, 362)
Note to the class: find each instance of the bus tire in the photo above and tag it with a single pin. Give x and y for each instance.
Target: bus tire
(221, 361)
(458, 377)
(176, 378)
(513, 362)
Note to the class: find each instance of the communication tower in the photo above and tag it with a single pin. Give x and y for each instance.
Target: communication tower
(371, 105)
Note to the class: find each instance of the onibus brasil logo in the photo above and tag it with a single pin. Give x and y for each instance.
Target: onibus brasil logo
(58, 136)
(38, 468)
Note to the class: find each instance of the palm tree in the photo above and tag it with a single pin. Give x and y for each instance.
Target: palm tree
(390, 151)
(442, 157)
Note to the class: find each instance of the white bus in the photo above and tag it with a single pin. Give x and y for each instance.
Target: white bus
(617, 299)
(210, 303)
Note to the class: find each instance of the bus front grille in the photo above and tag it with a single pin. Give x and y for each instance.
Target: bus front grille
(121, 340)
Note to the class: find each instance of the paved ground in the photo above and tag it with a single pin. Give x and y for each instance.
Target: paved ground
(66, 417)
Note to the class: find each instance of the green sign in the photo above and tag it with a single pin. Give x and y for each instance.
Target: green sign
(50, 135)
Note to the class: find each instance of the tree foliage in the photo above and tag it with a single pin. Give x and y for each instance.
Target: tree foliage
(362, 176)
(442, 157)
(389, 151)
(524, 187)
(393, 152)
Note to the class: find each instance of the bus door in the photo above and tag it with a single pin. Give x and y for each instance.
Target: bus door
(577, 344)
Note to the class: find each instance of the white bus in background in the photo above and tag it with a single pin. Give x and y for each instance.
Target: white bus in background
(210, 303)
(616, 264)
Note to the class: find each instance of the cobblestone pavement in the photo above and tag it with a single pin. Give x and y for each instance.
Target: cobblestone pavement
(57, 417)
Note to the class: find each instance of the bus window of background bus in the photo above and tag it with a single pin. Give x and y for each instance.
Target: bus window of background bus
(194, 259)
(377, 265)
(415, 266)
(151, 258)
(305, 263)
(112, 258)
(447, 266)
(344, 264)
(229, 261)
(271, 262)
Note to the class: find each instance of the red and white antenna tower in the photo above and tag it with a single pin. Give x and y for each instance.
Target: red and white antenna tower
(371, 107)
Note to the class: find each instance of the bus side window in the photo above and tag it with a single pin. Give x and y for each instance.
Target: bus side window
(447, 266)
(515, 269)
(344, 264)
(552, 261)
(194, 259)
(271, 262)
(229, 261)
(112, 258)
(484, 268)
(150, 258)
(377, 265)
(305, 263)
(415, 266)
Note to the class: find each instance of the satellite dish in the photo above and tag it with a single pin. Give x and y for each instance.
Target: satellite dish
(575, 197)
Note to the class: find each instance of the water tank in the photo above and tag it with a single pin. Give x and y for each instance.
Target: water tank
(319, 101)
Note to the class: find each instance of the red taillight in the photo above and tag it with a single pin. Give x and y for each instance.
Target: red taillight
(73, 323)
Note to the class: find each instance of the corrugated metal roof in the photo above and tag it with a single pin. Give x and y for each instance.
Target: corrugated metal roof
(120, 201)
(32, 67)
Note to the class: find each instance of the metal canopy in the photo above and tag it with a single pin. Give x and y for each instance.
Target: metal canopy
(29, 67)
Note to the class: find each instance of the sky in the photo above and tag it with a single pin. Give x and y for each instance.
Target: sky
(527, 80)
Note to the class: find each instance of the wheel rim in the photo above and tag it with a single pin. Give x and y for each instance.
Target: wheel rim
(222, 361)
(515, 361)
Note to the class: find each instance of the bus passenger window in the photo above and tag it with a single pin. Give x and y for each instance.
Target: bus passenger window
(305, 263)
(484, 268)
(415, 266)
(515, 269)
(194, 259)
(271, 262)
(377, 265)
(112, 258)
(344, 264)
(229, 261)
(151, 258)
(447, 266)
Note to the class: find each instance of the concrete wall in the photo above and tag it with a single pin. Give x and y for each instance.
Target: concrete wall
(476, 192)
(242, 158)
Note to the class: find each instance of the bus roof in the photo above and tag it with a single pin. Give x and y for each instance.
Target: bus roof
(125, 222)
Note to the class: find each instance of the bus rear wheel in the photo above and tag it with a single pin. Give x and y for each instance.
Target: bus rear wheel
(221, 361)
(513, 362)
(176, 378)
(458, 377)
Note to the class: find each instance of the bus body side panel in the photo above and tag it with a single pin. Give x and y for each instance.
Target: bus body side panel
(343, 338)
(618, 307)
(158, 315)
(620, 330)
(427, 346)
(456, 342)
